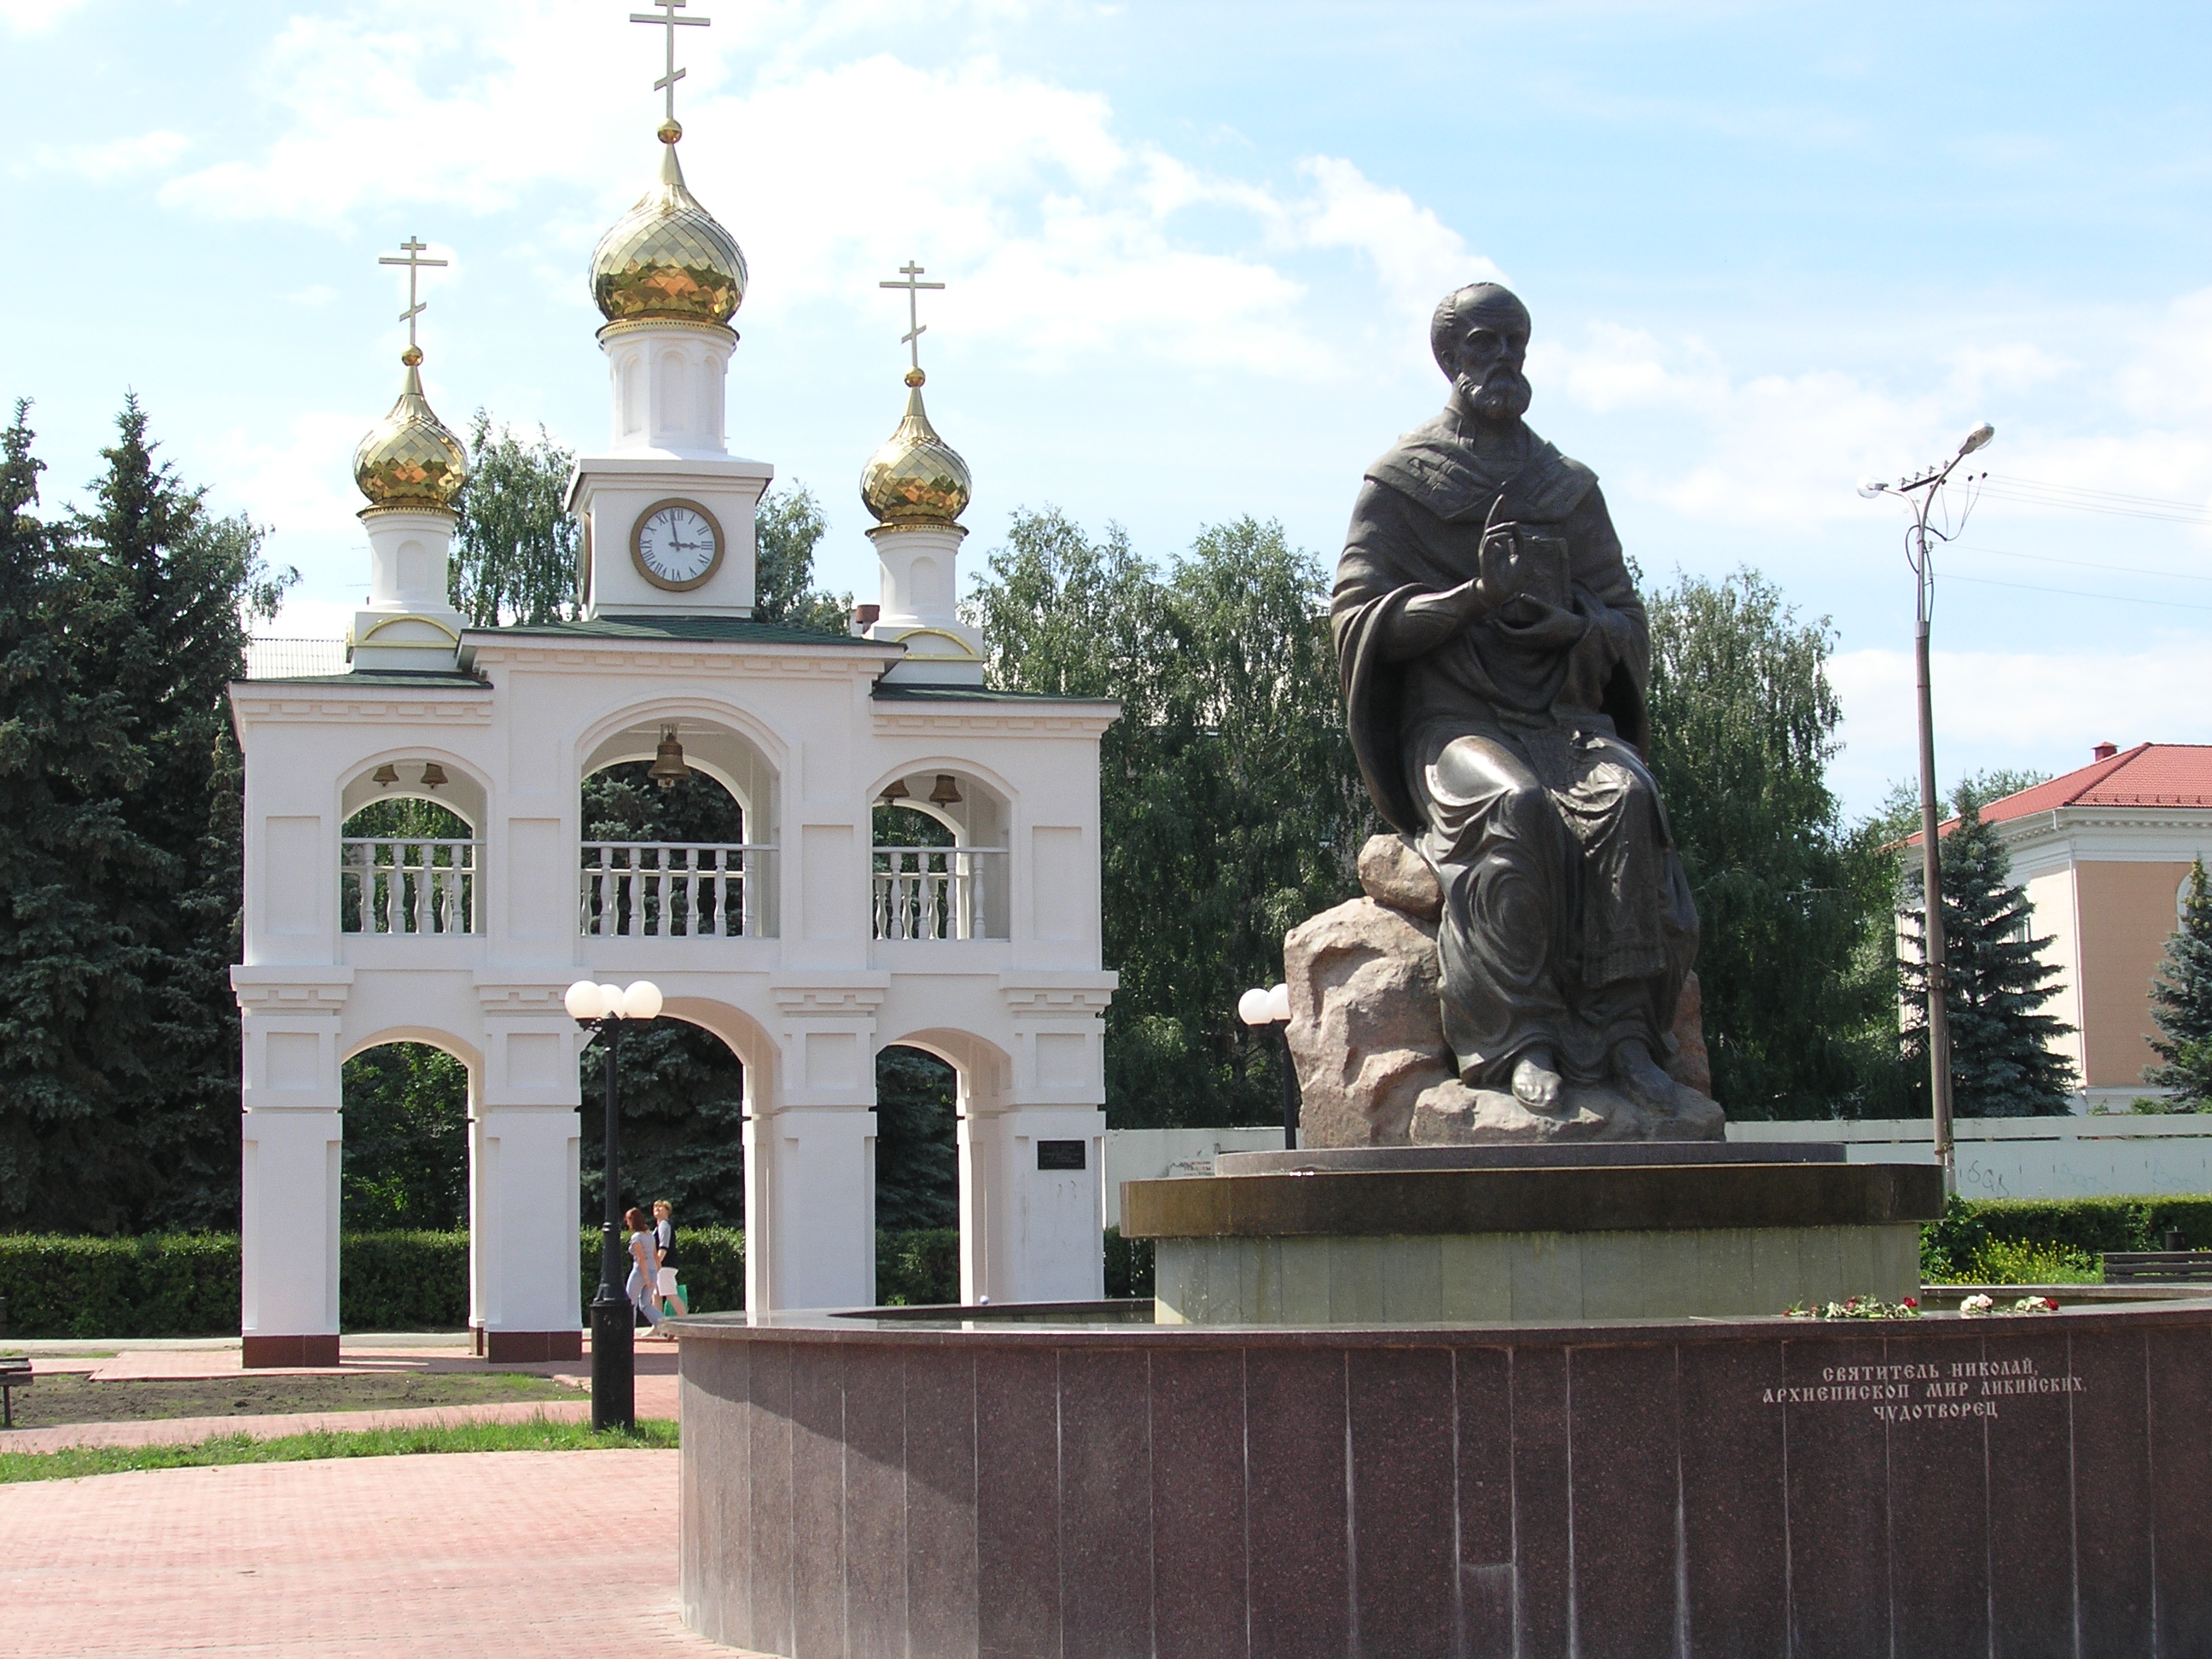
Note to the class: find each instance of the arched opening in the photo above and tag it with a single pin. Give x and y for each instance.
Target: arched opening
(688, 853)
(940, 858)
(917, 1178)
(682, 1094)
(403, 1189)
(409, 855)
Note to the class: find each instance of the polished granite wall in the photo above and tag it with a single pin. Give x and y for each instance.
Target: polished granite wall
(2024, 1487)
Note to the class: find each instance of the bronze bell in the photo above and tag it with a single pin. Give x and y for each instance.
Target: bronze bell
(384, 775)
(433, 775)
(947, 792)
(668, 767)
(894, 792)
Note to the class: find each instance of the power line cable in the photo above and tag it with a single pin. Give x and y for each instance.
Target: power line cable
(2075, 592)
(2033, 492)
(2083, 564)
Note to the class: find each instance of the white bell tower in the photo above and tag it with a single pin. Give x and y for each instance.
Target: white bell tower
(917, 486)
(666, 510)
(411, 469)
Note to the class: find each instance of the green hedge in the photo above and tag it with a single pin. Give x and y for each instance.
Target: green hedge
(157, 1285)
(918, 1269)
(2090, 1226)
(186, 1283)
(1129, 1265)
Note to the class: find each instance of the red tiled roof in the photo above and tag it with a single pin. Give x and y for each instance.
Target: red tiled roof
(2148, 774)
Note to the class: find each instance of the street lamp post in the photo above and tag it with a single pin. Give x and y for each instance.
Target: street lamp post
(1919, 493)
(605, 1010)
(1258, 1008)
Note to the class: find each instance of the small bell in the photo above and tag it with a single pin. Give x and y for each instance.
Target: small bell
(947, 792)
(433, 775)
(384, 775)
(668, 767)
(894, 792)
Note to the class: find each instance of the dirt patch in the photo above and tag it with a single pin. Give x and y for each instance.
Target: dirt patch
(72, 1397)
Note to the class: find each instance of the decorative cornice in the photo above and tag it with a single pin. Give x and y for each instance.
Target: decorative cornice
(1033, 994)
(828, 996)
(532, 997)
(316, 989)
(378, 706)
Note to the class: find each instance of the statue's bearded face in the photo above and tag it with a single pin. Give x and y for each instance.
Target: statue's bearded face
(1491, 342)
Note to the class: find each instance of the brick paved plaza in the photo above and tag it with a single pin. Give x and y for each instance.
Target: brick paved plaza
(549, 1554)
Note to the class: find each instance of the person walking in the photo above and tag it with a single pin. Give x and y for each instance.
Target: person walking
(664, 1238)
(644, 1271)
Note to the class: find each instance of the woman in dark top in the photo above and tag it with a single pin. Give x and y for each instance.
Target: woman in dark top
(664, 1238)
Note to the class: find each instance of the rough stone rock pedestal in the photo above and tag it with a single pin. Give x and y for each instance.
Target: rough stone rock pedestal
(1367, 1035)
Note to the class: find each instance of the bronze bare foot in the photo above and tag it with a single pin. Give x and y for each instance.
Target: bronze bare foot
(1639, 1074)
(1536, 1080)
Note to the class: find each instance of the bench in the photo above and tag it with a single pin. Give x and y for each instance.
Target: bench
(14, 1373)
(2157, 1266)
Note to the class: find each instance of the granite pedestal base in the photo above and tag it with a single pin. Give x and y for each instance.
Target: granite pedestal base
(1702, 1491)
(1375, 1236)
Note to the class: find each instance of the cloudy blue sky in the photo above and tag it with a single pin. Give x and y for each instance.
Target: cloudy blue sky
(1769, 249)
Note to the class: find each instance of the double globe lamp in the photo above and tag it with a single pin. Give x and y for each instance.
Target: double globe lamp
(1260, 1008)
(607, 1009)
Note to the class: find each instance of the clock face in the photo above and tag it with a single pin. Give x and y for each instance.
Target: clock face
(676, 544)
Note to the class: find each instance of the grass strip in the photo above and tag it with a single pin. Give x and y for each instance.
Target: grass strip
(536, 1435)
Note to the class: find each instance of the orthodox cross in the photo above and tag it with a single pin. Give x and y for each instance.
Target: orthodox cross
(413, 248)
(671, 22)
(916, 327)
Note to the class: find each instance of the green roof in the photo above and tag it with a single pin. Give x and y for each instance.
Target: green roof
(418, 679)
(900, 692)
(734, 630)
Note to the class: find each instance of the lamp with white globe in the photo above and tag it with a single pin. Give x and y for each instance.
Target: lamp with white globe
(1259, 1007)
(606, 1010)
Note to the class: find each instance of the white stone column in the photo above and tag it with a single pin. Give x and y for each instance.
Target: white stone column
(526, 1300)
(811, 1150)
(1031, 1214)
(293, 1137)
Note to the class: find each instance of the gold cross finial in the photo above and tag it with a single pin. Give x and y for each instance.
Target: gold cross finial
(670, 132)
(916, 327)
(413, 246)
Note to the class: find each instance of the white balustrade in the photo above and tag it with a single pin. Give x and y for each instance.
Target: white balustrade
(392, 884)
(672, 889)
(932, 892)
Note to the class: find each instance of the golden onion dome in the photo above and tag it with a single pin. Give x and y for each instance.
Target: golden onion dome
(916, 478)
(408, 459)
(666, 258)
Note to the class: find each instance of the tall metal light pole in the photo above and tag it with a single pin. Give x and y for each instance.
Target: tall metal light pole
(1257, 1008)
(1919, 493)
(605, 1010)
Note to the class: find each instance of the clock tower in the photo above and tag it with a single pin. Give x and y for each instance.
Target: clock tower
(666, 510)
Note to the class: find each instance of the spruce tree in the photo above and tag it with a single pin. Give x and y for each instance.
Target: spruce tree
(75, 959)
(2001, 1062)
(2181, 1002)
(173, 589)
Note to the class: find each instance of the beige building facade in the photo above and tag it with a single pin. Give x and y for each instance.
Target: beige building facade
(2105, 854)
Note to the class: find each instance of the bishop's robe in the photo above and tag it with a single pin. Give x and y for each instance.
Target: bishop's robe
(1510, 748)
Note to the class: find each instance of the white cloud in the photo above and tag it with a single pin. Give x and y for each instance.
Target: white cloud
(148, 152)
(299, 485)
(1058, 233)
(2039, 710)
(1781, 451)
(35, 16)
(1416, 257)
